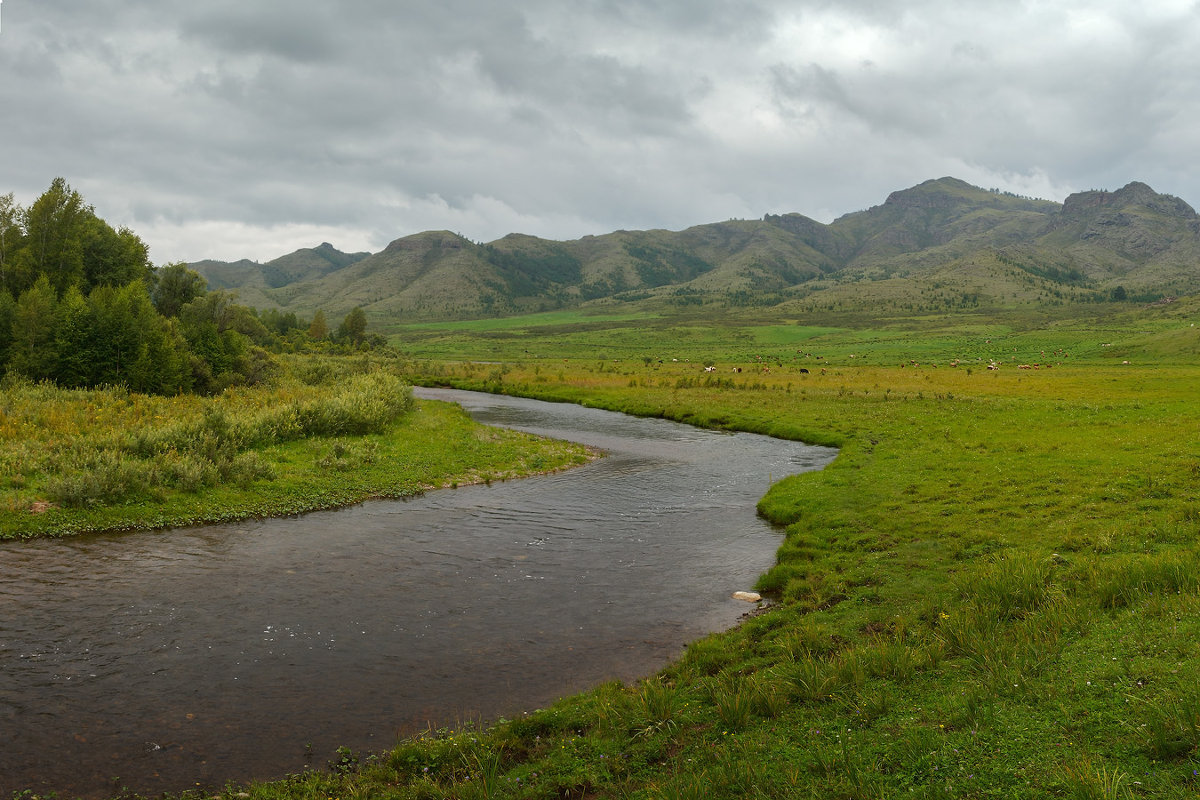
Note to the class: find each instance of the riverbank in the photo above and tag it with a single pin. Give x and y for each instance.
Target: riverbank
(426, 611)
(993, 591)
(77, 461)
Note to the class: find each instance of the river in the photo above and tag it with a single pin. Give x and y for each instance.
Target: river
(192, 657)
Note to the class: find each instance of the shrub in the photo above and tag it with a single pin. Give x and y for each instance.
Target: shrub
(108, 479)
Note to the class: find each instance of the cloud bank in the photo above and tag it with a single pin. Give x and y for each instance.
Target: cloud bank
(224, 129)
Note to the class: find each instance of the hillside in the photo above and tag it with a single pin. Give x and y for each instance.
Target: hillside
(253, 281)
(941, 245)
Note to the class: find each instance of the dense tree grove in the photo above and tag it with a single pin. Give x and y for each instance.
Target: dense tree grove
(82, 305)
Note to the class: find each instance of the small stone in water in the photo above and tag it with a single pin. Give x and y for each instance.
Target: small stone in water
(749, 597)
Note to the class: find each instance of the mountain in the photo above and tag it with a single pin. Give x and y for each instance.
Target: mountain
(939, 245)
(253, 281)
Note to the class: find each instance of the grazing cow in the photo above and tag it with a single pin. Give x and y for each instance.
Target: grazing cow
(803, 371)
(710, 369)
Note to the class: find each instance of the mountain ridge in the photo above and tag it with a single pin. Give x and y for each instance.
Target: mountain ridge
(921, 246)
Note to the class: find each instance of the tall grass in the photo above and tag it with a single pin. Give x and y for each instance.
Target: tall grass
(88, 460)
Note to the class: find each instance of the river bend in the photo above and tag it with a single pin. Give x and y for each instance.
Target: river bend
(252, 650)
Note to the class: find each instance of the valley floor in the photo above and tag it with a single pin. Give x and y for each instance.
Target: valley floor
(993, 591)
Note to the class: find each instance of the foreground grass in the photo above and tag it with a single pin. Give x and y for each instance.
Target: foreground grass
(994, 591)
(73, 461)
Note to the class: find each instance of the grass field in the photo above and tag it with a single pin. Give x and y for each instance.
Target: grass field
(1097, 334)
(992, 592)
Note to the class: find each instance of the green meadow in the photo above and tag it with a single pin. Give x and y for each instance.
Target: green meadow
(993, 591)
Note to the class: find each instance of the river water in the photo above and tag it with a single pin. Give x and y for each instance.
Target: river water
(197, 656)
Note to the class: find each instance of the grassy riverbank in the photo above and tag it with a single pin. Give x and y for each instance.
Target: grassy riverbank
(994, 591)
(87, 460)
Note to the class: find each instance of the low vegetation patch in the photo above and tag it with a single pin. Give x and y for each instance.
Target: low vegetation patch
(76, 460)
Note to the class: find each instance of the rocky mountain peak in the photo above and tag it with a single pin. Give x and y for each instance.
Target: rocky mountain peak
(938, 193)
(1134, 194)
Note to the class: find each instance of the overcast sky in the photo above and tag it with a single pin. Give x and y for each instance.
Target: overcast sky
(249, 128)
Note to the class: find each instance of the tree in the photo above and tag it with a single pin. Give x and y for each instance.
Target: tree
(75, 336)
(10, 235)
(112, 257)
(53, 238)
(354, 326)
(121, 317)
(116, 337)
(1119, 295)
(75, 308)
(160, 363)
(32, 351)
(61, 237)
(278, 322)
(8, 307)
(176, 287)
(219, 333)
(318, 328)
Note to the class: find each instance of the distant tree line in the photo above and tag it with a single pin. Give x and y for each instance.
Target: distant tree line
(82, 305)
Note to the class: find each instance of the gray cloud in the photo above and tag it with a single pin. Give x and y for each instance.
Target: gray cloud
(226, 129)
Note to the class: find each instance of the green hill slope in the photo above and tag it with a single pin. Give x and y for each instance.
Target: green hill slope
(941, 245)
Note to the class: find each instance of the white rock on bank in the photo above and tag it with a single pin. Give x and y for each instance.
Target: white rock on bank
(749, 597)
